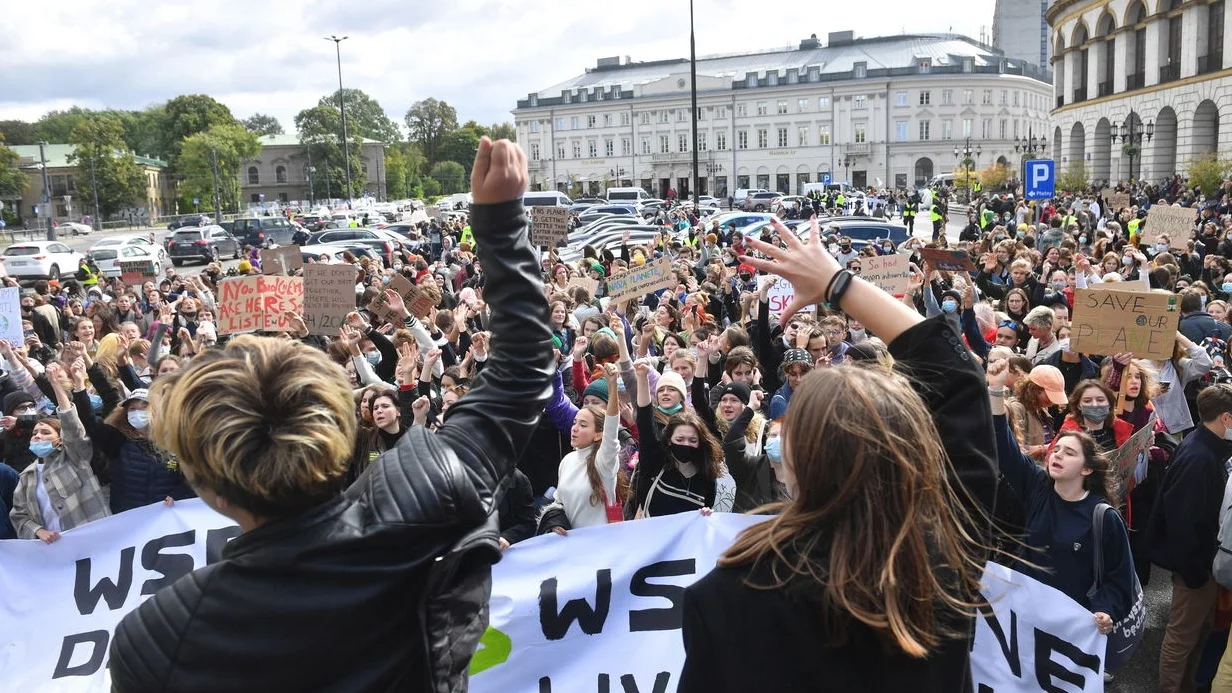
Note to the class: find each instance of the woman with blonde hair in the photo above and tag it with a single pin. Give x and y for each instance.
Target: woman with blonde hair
(872, 565)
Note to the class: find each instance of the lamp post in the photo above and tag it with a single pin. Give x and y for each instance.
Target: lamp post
(309, 170)
(618, 175)
(847, 162)
(963, 155)
(711, 169)
(45, 201)
(346, 145)
(97, 221)
(693, 99)
(1131, 136)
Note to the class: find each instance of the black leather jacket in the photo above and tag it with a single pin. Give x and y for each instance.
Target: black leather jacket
(384, 588)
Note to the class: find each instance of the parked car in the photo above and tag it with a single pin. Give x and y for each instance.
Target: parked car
(115, 242)
(74, 228)
(264, 231)
(109, 257)
(193, 220)
(335, 252)
(379, 241)
(41, 260)
(790, 202)
(862, 231)
(595, 213)
(759, 201)
(203, 243)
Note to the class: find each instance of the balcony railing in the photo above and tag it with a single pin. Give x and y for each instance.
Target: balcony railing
(1060, 101)
(1080, 94)
(1169, 73)
(1105, 88)
(1211, 62)
(1135, 81)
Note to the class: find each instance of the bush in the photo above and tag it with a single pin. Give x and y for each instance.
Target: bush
(1208, 172)
(1074, 178)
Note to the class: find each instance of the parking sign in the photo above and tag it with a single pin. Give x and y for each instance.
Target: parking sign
(825, 178)
(1039, 179)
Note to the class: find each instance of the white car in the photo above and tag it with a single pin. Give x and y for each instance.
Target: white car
(41, 260)
(114, 242)
(109, 257)
(74, 228)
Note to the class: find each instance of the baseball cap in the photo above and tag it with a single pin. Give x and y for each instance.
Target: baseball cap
(1050, 379)
(140, 393)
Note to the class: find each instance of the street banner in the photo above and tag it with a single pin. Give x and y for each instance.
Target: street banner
(329, 295)
(137, 272)
(258, 302)
(781, 294)
(1114, 322)
(1114, 201)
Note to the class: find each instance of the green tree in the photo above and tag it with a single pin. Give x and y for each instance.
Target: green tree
(460, 146)
(98, 142)
(430, 188)
(228, 145)
(397, 175)
(427, 123)
(365, 116)
(184, 116)
(18, 132)
(1208, 172)
(320, 131)
(13, 181)
(450, 175)
(503, 131)
(262, 124)
(1074, 178)
(57, 127)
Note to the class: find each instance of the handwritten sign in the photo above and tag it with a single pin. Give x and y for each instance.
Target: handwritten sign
(781, 294)
(10, 316)
(1113, 322)
(1133, 456)
(329, 294)
(136, 272)
(947, 260)
(641, 280)
(417, 301)
(1139, 284)
(1115, 201)
(889, 272)
(591, 285)
(283, 260)
(1177, 222)
(258, 302)
(548, 225)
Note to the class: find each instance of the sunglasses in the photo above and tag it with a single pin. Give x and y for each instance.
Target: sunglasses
(1008, 323)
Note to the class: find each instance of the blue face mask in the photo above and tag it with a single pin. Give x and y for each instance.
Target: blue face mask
(42, 448)
(1126, 260)
(374, 357)
(1226, 287)
(949, 306)
(96, 402)
(774, 449)
(1082, 240)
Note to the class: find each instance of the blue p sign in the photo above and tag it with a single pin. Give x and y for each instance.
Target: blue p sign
(825, 178)
(1039, 179)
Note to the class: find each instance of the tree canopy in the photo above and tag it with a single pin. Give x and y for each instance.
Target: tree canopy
(365, 116)
(261, 124)
(98, 144)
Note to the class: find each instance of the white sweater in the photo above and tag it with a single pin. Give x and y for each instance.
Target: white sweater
(573, 487)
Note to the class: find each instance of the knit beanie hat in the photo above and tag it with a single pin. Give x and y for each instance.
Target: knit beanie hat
(673, 380)
(737, 389)
(13, 400)
(792, 356)
(596, 388)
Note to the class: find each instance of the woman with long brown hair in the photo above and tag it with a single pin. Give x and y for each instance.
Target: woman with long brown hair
(871, 568)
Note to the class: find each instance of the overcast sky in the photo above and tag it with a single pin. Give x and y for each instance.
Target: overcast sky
(479, 55)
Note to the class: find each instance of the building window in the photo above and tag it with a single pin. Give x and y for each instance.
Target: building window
(763, 139)
(624, 118)
(947, 97)
(802, 136)
(925, 127)
(1005, 97)
(599, 95)
(1001, 130)
(782, 137)
(900, 98)
(616, 93)
(823, 135)
(1015, 128)
(966, 131)
(534, 151)
(560, 150)
(590, 121)
(924, 65)
(751, 81)
(609, 148)
(534, 126)
(682, 143)
(823, 103)
(645, 118)
(986, 128)
(720, 140)
(968, 97)
(814, 74)
(280, 174)
(859, 135)
(742, 139)
(607, 119)
(987, 100)
(1017, 98)
(663, 117)
(859, 70)
(626, 147)
(573, 123)
(782, 108)
(702, 145)
(802, 106)
(860, 101)
(761, 108)
(681, 115)
(720, 112)
(645, 145)
(900, 131)
(701, 113)
(947, 129)
(577, 150)
(742, 110)
(254, 177)
(772, 78)
(926, 98)
(592, 149)
(665, 144)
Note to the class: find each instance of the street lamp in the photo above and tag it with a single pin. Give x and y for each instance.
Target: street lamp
(1030, 145)
(963, 154)
(45, 202)
(346, 145)
(1131, 136)
(618, 175)
(848, 161)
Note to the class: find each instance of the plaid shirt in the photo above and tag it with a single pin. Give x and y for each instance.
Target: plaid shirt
(70, 483)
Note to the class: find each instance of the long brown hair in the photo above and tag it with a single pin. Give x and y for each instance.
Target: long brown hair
(712, 469)
(874, 527)
(599, 417)
(1101, 480)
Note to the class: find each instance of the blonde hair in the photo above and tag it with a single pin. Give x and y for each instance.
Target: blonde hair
(268, 424)
(105, 356)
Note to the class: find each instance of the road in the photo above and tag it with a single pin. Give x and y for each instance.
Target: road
(83, 243)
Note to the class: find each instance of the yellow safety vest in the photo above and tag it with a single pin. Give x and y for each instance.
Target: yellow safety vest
(935, 212)
(468, 237)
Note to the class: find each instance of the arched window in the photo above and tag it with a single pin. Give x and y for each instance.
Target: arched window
(254, 177)
(280, 174)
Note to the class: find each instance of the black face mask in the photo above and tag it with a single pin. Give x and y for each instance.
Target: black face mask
(27, 420)
(686, 453)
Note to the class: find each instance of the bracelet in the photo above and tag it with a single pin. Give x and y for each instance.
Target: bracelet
(840, 288)
(998, 393)
(830, 285)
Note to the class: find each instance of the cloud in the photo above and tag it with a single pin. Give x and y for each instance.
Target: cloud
(479, 55)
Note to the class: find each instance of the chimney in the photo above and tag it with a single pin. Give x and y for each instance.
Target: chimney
(810, 43)
(838, 38)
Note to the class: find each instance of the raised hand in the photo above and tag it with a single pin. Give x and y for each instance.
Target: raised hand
(755, 399)
(997, 373)
(806, 265)
(580, 345)
(499, 174)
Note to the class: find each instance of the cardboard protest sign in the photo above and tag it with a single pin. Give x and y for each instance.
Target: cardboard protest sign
(591, 285)
(283, 260)
(1139, 284)
(418, 302)
(947, 260)
(329, 294)
(645, 279)
(1130, 460)
(1112, 322)
(889, 272)
(10, 316)
(548, 225)
(1115, 201)
(137, 272)
(782, 294)
(1177, 222)
(258, 302)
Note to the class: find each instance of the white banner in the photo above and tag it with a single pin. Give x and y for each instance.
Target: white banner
(599, 609)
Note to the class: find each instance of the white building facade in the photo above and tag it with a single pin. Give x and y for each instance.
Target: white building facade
(881, 112)
(1155, 71)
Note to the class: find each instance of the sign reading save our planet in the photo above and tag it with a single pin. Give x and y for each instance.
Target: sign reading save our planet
(1113, 322)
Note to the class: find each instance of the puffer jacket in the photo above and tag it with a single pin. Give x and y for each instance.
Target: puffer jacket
(385, 587)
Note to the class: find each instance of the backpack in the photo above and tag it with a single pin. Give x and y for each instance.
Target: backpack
(1126, 633)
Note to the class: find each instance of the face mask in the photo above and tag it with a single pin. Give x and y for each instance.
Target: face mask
(397, 267)
(1082, 240)
(1226, 287)
(1095, 412)
(1020, 234)
(774, 449)
(949, 306)
(998, 238)
(1202, 297)
(373, 357)
(688, 453)
(1161, 247)
(1227, 435)
(27, 420)
(1058, 286)
(96, 402)
(1126, 260)
(43, 448)
(671, 410)
(139, 419)
(856, 335)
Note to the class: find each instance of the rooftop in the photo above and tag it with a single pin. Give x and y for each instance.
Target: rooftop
(57, 156)
(812, 61)
(293, 141)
